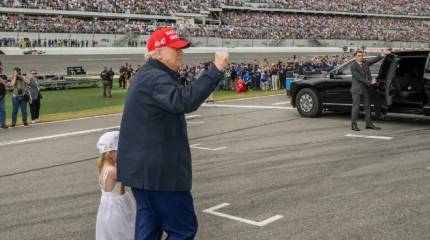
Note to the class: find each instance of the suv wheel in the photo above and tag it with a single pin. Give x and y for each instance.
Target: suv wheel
(308, 103)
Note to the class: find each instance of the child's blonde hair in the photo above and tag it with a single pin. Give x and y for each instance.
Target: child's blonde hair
(107, 157)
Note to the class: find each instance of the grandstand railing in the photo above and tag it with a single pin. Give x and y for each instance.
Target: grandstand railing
(195, 15)
(108, 40)
(254, 9)
(85, 14)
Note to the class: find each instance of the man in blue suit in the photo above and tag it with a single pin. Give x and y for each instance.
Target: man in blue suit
(154, 156)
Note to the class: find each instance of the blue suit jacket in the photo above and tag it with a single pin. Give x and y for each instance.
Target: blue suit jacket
(154, 152)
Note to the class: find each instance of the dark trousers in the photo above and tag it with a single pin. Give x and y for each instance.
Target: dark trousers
(122, 82)
(356, 99)
(257, 84)
(34, 109)
(171, 212)
(282, 83)
(107, 89)
(2, 112)
(249, 86)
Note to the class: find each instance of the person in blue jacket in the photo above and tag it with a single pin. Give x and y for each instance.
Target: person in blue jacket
(154, 156)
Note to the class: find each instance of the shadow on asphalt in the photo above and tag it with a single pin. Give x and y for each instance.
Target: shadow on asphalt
(394, 118)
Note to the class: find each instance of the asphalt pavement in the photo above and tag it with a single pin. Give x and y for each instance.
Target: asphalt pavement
(261, 172)
(93, 64)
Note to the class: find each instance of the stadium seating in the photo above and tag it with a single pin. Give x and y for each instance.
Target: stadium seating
(234, 23)
(398, 7)
(241, 26)
(169, 7)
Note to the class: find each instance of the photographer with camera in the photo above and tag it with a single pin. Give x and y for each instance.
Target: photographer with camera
(20, 96)
(2, 97)
(35, 96)
(107, 87)
(123, 75)
(111, 74)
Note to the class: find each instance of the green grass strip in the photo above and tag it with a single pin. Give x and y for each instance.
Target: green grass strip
(83, 102)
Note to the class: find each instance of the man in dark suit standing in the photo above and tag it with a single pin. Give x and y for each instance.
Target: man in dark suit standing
(361, 87)
(154, 156)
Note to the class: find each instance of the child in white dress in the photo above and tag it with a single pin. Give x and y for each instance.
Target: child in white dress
(117, 211)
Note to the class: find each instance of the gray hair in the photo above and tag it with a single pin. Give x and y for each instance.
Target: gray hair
(154, 54)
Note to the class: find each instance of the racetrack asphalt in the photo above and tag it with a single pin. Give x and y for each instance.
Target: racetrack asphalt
(93, 64)
(258, 155)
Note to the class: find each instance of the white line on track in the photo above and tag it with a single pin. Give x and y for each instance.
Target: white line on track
(280, 103)
(246, 106)
(197, 146)
(98, 116)
(263, 223)
(29, 140)
(191, 116)
(78, 119)
(195, 123)
(370, 137)
(76, 133)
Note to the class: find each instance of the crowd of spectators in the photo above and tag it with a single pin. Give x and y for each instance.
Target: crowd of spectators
(148, 7)
(241, 26)
(49, 24)
(300, 26)
(265, 75)
(7, 3)
(398, 7)
(170, 7)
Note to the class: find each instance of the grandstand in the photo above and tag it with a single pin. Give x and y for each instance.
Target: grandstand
(231, 23)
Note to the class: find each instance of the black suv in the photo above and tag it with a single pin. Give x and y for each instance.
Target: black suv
(404, 87)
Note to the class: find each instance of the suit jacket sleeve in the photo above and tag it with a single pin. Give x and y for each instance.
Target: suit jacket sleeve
(175, 98)
(374, 60)
(358, 74)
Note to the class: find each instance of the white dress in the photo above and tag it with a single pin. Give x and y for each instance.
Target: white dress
(116, 214)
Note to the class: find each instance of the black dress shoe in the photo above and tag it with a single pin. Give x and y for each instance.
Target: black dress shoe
(354, 127)
(373, 127)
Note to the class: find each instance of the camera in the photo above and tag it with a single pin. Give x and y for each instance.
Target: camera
(18, 70)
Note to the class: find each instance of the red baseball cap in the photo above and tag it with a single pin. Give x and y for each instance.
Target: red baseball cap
(165, 37)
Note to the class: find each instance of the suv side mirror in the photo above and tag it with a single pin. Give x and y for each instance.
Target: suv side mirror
(333, 74)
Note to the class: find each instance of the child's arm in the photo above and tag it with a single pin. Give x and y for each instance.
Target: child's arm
(110, 179)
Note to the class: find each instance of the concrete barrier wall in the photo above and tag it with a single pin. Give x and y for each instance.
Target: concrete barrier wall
(142, 50)
(109, 40)
(103, 40)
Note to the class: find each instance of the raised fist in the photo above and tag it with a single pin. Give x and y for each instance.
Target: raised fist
(387, 52)
(221, 60)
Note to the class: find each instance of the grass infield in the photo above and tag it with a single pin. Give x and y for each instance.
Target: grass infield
(84, 102)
